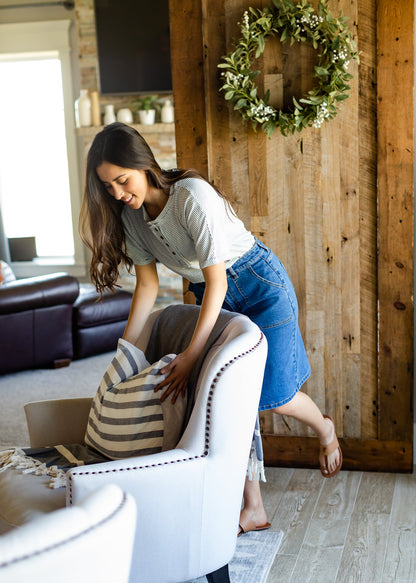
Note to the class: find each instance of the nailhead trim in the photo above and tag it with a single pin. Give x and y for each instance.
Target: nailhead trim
(207, 427)
(67, 540)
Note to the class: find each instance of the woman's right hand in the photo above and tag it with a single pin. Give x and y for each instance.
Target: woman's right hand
(178, 372)
(181, 367)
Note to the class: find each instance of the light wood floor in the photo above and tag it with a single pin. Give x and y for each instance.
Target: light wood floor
(356, 527)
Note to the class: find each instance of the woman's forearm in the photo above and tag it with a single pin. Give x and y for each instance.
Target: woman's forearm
(145, 293)
(214, 294)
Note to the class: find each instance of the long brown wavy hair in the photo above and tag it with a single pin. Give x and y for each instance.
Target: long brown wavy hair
(100, 224)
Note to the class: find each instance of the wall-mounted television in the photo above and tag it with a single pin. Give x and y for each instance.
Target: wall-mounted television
(133, 46)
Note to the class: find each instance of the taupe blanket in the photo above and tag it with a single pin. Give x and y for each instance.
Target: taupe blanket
(172, 332)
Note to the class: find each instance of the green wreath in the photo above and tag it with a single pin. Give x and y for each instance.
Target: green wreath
(297, 22)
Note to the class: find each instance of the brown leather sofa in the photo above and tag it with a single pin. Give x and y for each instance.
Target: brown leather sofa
(50, 320)
(36, 322)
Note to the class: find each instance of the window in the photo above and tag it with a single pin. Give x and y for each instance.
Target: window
(34, 180)
(39, 166)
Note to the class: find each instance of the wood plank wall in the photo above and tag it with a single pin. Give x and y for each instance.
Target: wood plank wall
(335, 204)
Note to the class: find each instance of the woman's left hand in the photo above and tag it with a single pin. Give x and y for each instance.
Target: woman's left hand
(178, 372)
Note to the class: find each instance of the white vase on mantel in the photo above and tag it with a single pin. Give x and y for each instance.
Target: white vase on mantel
(167, 114)
(147, 118)
(83, 109)
(109, 114)
(124, 115)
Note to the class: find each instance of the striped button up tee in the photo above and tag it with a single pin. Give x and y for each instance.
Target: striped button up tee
(196, 229)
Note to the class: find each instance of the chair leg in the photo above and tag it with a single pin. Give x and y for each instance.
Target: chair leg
(219, 576)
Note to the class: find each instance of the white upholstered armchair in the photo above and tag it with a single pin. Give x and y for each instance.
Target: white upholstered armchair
(189, 498)
(67, 545)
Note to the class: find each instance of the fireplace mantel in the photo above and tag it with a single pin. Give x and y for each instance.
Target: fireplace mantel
(159, 136)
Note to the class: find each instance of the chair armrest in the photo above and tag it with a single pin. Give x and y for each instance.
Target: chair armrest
(135, 471)
(158, 483)
(38, 292)
(57, 421)
(175, 510)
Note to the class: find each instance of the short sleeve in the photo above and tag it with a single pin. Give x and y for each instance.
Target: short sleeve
(207, 218)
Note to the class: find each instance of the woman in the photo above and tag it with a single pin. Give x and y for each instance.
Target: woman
(135, 213)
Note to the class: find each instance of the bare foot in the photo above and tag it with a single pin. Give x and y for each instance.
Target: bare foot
(252, 519)
(330, 457)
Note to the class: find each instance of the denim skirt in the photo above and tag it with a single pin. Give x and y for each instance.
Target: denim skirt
(259, 287)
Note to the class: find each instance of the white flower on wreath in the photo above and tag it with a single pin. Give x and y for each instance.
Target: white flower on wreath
(340, 55)
(312, 20)
(321, 115)
(233, 79)
(261, 112)
(245, 27)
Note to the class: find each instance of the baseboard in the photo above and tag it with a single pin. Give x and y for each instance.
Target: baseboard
(369, 455)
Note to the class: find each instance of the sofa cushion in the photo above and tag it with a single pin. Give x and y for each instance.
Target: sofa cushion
(127, 418)
(91, 310)
(97, 339)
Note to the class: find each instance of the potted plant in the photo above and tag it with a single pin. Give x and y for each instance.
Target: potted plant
(146, 108)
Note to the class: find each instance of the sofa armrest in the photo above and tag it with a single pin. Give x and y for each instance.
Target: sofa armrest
(57, 421)
(38, 292)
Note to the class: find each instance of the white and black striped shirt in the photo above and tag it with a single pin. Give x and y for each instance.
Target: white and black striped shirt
(195, 229)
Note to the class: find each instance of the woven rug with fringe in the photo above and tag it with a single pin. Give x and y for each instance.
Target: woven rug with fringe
(253, 558)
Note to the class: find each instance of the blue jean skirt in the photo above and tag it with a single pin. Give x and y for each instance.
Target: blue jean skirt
(259, 287)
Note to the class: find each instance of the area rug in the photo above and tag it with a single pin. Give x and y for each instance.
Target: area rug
(80, 379)
(253, 558)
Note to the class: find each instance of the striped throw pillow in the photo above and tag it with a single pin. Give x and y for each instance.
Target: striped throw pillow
(127, 418)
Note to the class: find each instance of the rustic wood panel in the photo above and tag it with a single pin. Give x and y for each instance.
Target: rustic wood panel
(313, 198)
(395, 69)
(349, 136)
(185, 17)
(367, 18)
(218, 140)
(332, 281)
(315, 309)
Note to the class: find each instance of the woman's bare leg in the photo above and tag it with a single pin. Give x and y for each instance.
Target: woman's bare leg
(302, 408)
(253, 510)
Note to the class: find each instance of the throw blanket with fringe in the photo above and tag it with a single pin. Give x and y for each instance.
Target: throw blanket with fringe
(49, 461)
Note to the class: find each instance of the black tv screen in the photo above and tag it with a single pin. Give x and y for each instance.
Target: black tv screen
(133, 46)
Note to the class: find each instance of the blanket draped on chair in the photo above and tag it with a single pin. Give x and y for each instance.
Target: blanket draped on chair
(168, 336)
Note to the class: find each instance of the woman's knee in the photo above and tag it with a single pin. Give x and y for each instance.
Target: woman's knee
(288, 408)
(283, 409)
